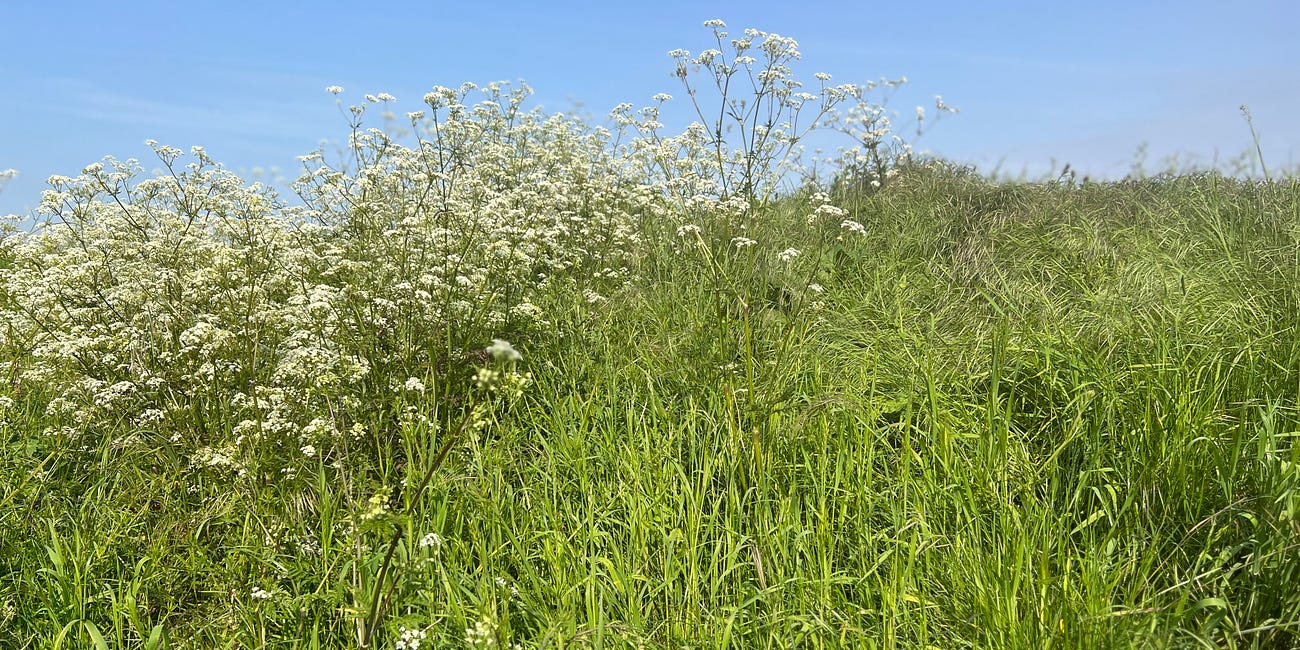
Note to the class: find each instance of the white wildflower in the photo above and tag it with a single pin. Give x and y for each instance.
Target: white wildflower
(146, 418)
(409, 639)
(707, 57)
(827, 210)
(217, 459)
(377, 505)
(504, 584)
(527, 310)
(482, 635)
(501, 350)
(853, 227)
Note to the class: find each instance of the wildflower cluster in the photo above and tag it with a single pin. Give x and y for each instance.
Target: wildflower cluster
(258, 336)
(143, 298)
(490, 204)
(484, 634)
(139, 302)
(409, 639)
(749, 115)
(877, 150)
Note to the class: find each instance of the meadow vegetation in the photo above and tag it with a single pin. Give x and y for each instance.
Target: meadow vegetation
(502, 378)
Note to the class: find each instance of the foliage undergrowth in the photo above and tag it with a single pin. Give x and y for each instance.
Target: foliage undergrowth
(911, 408)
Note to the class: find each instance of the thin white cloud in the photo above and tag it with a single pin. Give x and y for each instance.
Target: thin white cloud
(83, 100)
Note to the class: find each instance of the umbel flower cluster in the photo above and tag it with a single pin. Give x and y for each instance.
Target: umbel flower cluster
(195, 309)
(143, 298)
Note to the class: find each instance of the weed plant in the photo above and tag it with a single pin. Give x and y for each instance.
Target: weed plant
(902, 407)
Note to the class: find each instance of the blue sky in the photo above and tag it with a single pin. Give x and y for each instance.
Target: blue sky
(1079, 82)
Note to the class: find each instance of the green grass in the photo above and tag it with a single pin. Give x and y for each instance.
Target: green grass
(1025, 415)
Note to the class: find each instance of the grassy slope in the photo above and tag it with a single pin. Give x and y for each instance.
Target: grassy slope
(1022, 416)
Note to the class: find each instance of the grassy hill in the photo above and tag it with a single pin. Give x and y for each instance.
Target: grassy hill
(909, 408)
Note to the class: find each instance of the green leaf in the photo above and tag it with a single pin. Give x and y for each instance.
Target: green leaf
(1210, 603)
(95, 636)
(155, 640)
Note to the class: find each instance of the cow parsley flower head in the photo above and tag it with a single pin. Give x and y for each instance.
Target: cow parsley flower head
(502, 350)
(708, 56)
(409, 639)
(827, 210)
(334, 90)
(483, 634)
(853, 227)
